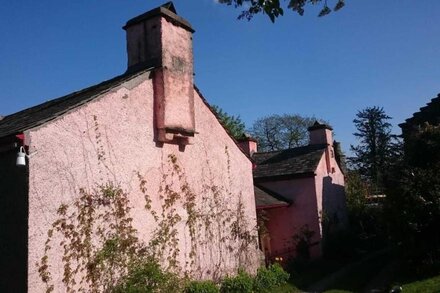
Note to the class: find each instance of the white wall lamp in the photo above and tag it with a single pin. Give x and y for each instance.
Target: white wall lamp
(21, 157)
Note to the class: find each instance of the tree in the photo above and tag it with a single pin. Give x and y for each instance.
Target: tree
(233, 124)
(274, 9)
(377, 146)
(413, 198)
(278, 132)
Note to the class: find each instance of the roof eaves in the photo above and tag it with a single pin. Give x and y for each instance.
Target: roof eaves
(284, 177)
(273, 206)
(274, 194)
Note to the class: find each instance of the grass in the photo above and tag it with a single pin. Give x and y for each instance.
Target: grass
(358, 276)
(427, 285)
(286, 288)
(306, 274)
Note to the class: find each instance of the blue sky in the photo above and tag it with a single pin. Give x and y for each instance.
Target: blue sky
(371, 53)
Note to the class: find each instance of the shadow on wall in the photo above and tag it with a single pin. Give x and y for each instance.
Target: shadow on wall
(13, 224)
(334, 209)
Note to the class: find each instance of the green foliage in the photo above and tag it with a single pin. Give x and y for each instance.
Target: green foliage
(281, 276)
(233, 124)
(201, 287)
(269, 278)
(98, 240)
(278, 132)
(413, 206)
(274, 9)
(356, 191)
(241, 283)
(367, 225)
(303, 242)
(148, 276)
(377, 146)
(422, 148)
(426, 285)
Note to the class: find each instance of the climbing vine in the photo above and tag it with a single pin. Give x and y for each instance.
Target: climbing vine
(97, 239)
(100, 245)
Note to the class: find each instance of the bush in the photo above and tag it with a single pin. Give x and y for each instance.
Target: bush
(269, 278)
(148, 277)
(280, 274)
(264, 280)
(242, 283)
(201, 287)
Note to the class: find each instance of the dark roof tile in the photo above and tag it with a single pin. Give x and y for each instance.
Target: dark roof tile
(40, 114)
(295, 161)
(267, 198)
(429, 113)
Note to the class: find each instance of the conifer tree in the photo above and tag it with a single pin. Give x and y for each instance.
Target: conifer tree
(376, 149)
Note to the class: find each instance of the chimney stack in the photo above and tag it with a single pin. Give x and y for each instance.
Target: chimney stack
(320, 134)
(248, 144)
(162, 40)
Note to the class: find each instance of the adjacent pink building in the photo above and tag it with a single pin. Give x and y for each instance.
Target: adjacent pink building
(299, 195)
(149, 131)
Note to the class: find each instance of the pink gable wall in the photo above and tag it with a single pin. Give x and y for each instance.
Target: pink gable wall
(330, 182)
(284, 223)
(314, 199)
(118, 127)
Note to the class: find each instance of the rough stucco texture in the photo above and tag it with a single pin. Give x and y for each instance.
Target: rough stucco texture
(118, 128)
(177, 78)
(313, 198)
(285, 223)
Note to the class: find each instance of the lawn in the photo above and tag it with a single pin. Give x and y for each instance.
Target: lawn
(427, 285)
(342, 276)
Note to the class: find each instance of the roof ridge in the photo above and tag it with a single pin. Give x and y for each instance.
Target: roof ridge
(295, 148)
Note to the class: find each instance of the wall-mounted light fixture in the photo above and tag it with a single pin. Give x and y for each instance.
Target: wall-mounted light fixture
(21, 157)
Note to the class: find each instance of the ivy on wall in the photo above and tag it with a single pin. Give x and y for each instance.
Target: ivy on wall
(100, 245)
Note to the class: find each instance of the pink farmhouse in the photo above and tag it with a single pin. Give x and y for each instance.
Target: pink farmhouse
(150, 132)
(299, 195)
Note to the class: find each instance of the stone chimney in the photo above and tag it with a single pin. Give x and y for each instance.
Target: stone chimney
(320, 134)
(323, 134)
(248, 144)
(162, 40)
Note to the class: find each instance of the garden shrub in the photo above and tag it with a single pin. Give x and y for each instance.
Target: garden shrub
(269, 278)
(201, 287)
(241, 283)
(280, 275)
(148, 277)
(264, 280)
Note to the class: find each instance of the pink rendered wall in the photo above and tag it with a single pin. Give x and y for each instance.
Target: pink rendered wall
(118, 126)
(313, 199)
(330, 182)
(284, 223)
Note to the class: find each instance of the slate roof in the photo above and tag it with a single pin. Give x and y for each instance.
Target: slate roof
(295, 162)
(429, 113)
(267, 198)
(40, 114)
